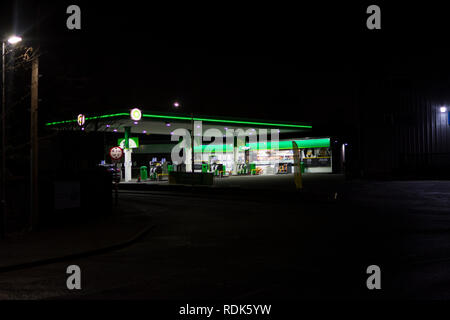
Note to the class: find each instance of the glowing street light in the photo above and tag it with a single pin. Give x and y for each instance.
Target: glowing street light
(14, 39)
(443, 109)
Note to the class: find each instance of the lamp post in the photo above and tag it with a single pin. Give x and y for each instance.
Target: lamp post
(12, 40)
(34, 212)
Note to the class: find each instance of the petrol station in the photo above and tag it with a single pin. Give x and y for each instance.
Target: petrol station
(141, 144)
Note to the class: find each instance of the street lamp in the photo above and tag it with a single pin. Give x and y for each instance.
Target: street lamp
(12, 40)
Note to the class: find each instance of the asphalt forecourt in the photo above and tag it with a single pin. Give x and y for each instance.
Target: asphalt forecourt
(326, 187)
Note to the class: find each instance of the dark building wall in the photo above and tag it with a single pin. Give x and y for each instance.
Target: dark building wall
(403, 132)
(70, 151)
(72, 158)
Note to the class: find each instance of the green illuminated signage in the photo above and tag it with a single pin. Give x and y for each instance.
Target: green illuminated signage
(282, 145)
(134, 142)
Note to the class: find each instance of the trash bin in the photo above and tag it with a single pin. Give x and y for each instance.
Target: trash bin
(144, 173)
(302, 167)
(204, 167)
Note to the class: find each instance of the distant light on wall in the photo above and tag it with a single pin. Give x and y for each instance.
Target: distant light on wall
(136, 114)
(115, 130)
(443, 109)
(176, 104)
(168, 124)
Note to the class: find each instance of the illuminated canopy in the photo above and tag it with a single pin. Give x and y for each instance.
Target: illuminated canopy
(156, 123)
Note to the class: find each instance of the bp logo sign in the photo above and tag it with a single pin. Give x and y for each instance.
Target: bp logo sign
(133, 142)
(136, 114)
(81, 120)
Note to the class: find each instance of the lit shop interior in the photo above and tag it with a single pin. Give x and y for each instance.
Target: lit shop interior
(253, 158)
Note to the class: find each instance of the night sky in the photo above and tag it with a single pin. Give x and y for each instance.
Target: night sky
(265, 60)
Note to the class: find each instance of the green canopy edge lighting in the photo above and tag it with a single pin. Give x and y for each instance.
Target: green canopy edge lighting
(254, 123)
(89, 118)
(184, 118)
